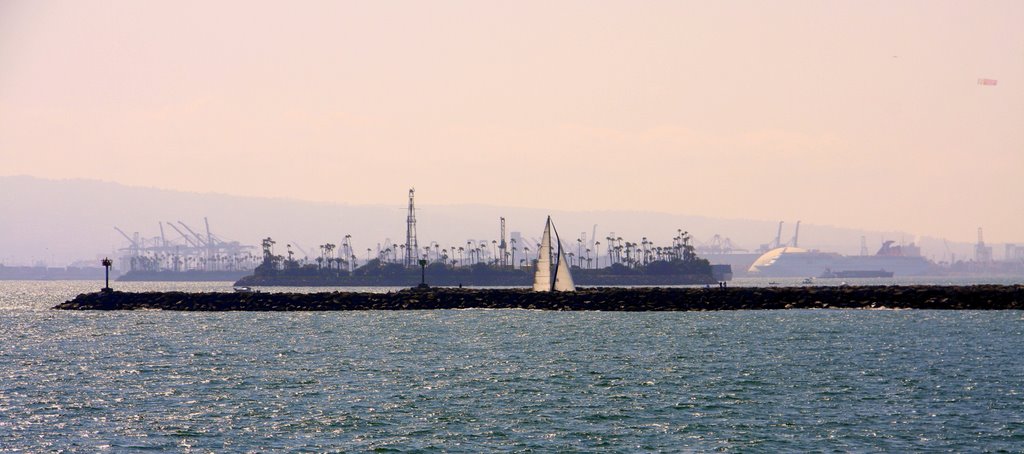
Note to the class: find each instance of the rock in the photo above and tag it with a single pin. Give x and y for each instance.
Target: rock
(613, 299)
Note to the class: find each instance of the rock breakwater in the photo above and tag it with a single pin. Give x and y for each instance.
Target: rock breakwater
(597, 299)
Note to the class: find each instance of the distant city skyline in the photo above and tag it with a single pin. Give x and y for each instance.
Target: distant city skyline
(866, 115)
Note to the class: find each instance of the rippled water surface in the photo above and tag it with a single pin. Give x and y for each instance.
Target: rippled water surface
(481, 380)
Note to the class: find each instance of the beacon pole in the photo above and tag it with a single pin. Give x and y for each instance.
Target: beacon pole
(106, 266)
(423, 274)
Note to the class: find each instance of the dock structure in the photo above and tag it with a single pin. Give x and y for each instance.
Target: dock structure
(189, 251)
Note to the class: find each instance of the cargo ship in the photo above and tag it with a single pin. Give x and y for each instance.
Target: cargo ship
(890, 260)
(183, 276)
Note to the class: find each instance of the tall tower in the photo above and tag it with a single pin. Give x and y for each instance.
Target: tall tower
(412, 247)
(982, 253)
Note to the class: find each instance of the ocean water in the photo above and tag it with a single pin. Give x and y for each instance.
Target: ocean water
(504, 380)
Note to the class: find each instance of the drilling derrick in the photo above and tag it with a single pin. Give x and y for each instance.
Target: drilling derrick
(982, 253)
(502, 246)
(411, 245)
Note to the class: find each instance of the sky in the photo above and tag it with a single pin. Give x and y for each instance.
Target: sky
(860, 114)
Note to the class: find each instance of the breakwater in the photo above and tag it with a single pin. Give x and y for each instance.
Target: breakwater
(598, 299)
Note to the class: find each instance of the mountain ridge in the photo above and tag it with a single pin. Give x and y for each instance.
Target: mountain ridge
(80, 215)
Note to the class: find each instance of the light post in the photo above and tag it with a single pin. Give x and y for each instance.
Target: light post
(106, 266)
(423, 274)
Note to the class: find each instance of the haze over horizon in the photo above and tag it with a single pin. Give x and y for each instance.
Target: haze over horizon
(865, 115)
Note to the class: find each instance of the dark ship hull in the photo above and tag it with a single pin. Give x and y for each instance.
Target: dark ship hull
(182, 276)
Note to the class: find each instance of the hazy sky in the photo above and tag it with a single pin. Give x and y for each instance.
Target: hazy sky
(855, 113)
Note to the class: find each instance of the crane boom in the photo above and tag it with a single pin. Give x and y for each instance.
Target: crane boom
(303, 251)
(188, 239)
(201, 241)
(209, 236)
(125, 235)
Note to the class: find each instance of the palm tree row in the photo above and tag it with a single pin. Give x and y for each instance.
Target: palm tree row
(619, 252)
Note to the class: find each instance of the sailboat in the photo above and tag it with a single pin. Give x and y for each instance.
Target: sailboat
(552, 276)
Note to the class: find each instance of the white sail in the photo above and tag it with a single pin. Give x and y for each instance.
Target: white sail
(563, 279)
(542, 275)
(543, 280)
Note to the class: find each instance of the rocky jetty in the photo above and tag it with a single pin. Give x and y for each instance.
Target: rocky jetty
(596, 299)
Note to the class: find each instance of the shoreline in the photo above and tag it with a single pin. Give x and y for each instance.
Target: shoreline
(973, 297)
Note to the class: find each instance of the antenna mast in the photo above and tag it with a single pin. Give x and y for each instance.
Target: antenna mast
(411, 245)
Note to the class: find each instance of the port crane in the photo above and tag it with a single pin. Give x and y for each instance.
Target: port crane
(134, 246)
(189, 241)
(199, 240)
(303, 251)
(207, 251)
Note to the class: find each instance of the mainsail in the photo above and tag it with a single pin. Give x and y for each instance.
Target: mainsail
(543, 279)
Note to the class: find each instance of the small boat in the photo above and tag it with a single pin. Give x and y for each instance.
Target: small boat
(243, 289)
(552, 276)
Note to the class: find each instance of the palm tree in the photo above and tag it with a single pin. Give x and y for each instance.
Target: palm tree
(579, 250)
(330, 250)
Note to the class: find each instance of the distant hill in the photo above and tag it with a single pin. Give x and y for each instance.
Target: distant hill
(60, 221)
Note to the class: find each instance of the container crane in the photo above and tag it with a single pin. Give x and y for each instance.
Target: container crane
(134, 243)
(189, 241)
(200, 241)
(209, 236)
(303, 251)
